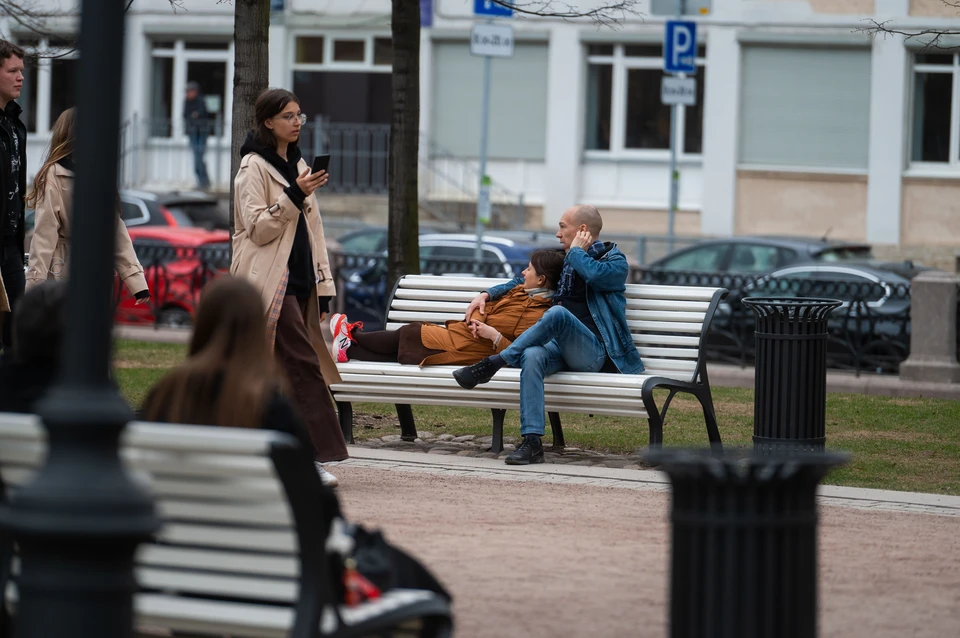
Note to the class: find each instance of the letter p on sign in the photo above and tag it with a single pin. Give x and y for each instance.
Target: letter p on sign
(680, 47)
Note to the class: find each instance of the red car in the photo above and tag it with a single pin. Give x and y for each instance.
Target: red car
(177, 263)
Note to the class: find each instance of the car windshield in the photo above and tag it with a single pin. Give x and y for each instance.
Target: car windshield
(202, 214)
(841, 253)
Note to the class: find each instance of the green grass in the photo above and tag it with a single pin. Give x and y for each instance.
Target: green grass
(897, 444)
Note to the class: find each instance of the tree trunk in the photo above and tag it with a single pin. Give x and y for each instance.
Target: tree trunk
(251, 30)
(403, 250)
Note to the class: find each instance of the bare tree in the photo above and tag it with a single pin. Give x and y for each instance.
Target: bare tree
(251, 29)
(403, 250)
(930, 38)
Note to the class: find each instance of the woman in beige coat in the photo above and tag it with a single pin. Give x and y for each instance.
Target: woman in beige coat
(279, 247)
(51, 198)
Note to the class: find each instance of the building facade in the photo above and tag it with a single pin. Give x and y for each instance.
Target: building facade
(803, 123)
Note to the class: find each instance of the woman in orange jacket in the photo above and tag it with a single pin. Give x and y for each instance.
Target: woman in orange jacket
(459, 342)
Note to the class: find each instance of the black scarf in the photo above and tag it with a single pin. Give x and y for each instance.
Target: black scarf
(301, 280)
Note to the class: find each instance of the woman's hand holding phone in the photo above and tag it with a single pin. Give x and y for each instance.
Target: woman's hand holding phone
(310, 181)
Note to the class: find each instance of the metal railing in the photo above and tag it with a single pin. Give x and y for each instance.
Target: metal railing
(870, 332)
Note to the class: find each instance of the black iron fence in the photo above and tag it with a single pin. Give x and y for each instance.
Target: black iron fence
(869, 332)
(175, 276)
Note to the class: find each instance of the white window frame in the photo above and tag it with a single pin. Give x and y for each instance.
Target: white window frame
(618, 109)
(328, 63)
(952, 166)
(45, 77)
(181, 56)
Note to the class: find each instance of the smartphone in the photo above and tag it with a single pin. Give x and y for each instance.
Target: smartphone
(321, 163)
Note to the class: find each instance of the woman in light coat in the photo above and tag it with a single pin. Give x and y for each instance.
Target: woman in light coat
(51, 198)
(279, 247)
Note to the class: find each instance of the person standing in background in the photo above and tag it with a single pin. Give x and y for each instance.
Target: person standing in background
(13, 185)
(197, 122)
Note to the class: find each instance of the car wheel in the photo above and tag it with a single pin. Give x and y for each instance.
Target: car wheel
(174, 318)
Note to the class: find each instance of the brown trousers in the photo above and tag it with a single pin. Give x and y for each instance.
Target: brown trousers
(310, 393)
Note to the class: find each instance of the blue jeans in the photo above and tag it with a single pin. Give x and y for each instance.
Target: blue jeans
(198, 144)
(559, 341)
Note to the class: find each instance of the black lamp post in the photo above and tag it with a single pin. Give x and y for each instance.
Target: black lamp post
(78, 523)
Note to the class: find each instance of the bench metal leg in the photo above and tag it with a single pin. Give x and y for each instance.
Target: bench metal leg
(345, 415)
(558, 441)
(408, 427)
(710, 416)
(496, 446)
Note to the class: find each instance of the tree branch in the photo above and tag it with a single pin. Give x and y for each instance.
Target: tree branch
(612, 14)
(931, 38)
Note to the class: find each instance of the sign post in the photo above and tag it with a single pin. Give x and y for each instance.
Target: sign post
(679, 57)
(487, 40)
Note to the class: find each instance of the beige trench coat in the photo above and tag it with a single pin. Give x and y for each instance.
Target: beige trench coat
(50, 246)
(266, 223)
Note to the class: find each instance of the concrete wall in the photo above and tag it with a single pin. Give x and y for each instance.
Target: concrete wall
(771, 202)
(930, 211)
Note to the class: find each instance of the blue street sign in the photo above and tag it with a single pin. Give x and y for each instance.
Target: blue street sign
(680, 47)
(489, 8)
(426, 13)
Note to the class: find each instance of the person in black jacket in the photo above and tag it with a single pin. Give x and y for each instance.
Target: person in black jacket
(38, 327)
(198, 124)
(13, 185)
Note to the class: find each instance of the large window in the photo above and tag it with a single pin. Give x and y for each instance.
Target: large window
(174, 63)
(344, 78)
(624, 115)
(49, 82)
(936, 109)
(518, 101)
(805, 107)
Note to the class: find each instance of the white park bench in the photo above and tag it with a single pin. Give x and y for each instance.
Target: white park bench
(669, 326)
(241, 549)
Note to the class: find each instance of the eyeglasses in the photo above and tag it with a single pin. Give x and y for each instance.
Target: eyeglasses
(292, 117)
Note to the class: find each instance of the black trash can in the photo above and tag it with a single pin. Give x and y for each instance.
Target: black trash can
(790, 383)
(743, 558)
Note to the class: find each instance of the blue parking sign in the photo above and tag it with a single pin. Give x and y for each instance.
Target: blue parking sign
(680, 47)
(489, 8)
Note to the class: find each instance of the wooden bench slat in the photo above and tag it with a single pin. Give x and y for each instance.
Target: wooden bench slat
(664, 315)
(649, 291)
(465, 296)
(217, 561)
(213, 617)
(399, 386)
(229, 538)
(665, 326)
(667, 304)
(254, 588)
(275, 514)
(377, 370)
(656, 340)
(657, 352)
(433, 282)
(431, 306)
(223, 489)
(498, 404)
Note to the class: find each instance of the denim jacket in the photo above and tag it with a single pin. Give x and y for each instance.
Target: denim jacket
(606, 280)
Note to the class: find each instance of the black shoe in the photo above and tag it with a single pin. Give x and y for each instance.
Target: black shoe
(530, 451)
(471, 376)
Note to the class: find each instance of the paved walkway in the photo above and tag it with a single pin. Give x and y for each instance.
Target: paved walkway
(721, 375)
(560, 550)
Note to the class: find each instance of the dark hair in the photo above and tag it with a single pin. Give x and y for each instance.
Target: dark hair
(9, 49)
(269, 104)
(548, 263)
(38, 324)
(228, 376)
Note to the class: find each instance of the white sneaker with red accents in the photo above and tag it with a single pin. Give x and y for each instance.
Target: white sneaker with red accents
(341, 337)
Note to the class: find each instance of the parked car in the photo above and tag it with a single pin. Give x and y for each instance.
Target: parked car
(365, 291)
(366, 240)
(869, 330)
(187, 209)
(177, 263)
(757, 255)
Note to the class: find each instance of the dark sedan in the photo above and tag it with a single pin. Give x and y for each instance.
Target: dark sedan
(757, 255)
